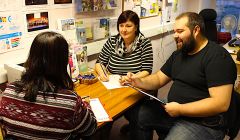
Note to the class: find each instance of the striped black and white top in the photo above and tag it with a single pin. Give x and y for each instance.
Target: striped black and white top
(140, 59)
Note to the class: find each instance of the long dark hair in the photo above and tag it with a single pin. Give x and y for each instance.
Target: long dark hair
(131, 16)
(46, 66)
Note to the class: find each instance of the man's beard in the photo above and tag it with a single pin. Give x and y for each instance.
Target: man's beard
(189, 46)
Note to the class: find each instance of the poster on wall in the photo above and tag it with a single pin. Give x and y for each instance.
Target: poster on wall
(66, 24)
(37, 21)
(94, 5)
(35, 2)
(67, 28)
(10, 32)
(144, 8)
(62, 1)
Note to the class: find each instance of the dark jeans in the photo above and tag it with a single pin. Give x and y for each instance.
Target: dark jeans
(132, 113)
(152, 116)
(102, 133)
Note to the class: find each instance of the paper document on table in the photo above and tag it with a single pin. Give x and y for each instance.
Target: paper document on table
(231, 51)
(113, 82)
(99, 111)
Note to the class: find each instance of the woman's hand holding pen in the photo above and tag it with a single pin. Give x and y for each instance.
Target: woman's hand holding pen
(104, 76)
(102, 72)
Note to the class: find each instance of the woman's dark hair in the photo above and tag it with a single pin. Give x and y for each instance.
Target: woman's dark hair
(46, 66)
(129, 15)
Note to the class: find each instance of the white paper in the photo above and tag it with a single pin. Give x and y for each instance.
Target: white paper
(98, 110)
(113, 82)
(231, 51)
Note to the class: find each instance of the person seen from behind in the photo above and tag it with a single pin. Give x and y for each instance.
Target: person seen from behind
(43, 103)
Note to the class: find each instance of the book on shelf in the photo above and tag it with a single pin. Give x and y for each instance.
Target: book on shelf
(81, 34)
(73, 64)
(100, 28)
(87, 24)
(99, 111)
(113, 26)
(81, 54)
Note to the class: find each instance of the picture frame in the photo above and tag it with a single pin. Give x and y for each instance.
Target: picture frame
(144, 8)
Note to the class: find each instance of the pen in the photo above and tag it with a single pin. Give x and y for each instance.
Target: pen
(103, 69)
(84, 97)
(161, 101)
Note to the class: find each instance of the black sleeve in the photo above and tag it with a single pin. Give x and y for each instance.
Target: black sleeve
(167, 67)
(220, 69)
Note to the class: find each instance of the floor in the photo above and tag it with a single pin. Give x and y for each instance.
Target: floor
(115, 132)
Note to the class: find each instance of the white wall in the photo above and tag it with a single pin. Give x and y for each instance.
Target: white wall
(198, 5)
(207, 4)
(149, 26)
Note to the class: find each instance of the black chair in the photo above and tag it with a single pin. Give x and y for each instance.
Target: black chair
(235, 112)
(209, 16)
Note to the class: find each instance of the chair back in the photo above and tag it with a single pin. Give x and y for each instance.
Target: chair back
(235, 122)
(209, 16)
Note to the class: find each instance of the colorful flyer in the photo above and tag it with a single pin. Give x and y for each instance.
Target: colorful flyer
(10, 32)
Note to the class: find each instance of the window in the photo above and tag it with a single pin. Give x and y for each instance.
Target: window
(228, 14)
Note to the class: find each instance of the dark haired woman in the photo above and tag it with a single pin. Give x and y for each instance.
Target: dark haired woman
(43, 105)
(128, 51)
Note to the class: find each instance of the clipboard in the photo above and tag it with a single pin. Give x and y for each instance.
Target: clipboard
(161, 101)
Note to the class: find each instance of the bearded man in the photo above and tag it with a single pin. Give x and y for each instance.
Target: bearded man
(203, 75)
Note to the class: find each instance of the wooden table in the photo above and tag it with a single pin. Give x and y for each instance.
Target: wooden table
(115, 101)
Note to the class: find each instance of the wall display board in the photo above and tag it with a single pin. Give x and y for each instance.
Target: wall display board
(144, 8)
(94, 5)
(10, 31)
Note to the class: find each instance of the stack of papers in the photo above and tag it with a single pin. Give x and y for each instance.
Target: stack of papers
(113, 82)
(99, 111)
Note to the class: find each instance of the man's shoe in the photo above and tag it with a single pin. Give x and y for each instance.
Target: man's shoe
(124, 129)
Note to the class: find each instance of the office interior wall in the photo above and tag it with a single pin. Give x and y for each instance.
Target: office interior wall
(150, 26)
(198, 5)
(207, 4)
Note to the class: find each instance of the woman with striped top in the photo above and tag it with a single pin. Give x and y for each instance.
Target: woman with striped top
(43, 105)
(128, 51)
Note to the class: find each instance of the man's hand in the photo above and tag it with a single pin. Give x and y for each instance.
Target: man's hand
(173, 109)
(131, 79)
